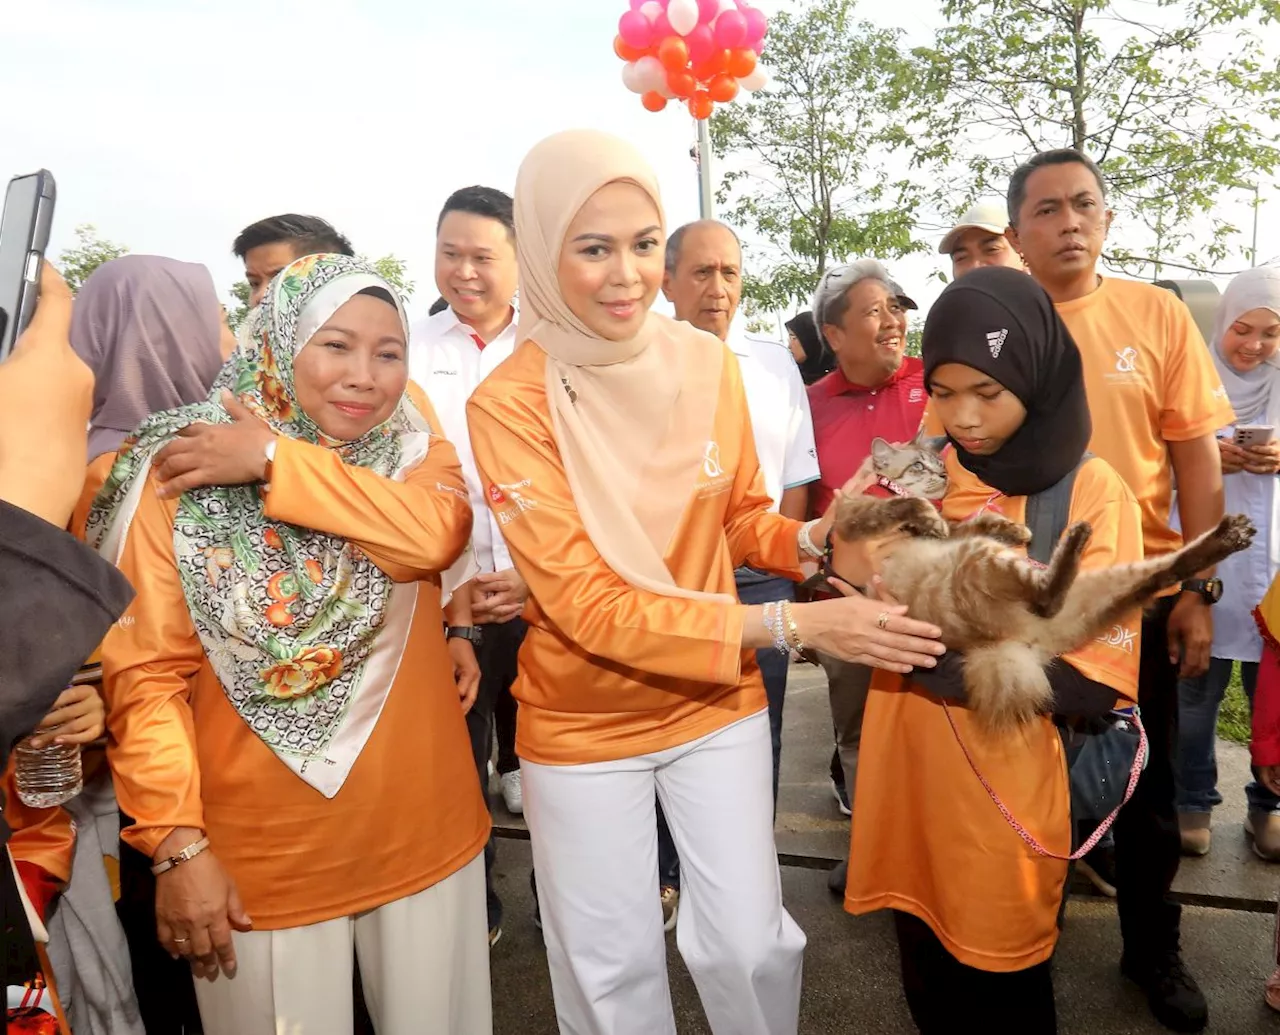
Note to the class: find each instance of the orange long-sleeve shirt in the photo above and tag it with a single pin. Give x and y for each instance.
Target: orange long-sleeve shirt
(607, 670)
(410, 812)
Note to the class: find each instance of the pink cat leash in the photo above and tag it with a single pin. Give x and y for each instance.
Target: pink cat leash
(1135, 771)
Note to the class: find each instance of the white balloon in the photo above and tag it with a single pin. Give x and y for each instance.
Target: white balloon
(652, 9)
(683, 15)
(631, 78)
(650, 75)
(757, 80)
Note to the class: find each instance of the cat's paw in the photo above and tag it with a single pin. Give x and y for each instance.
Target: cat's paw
(998, 527)
(917, 517)
(1235, 532)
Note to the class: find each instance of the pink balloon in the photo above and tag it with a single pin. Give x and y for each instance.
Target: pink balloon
(731, 30)
(758, 47)
(662, 28)
(637, 4)
(635, 29)
(702, 44)
(707, 11)
(757, 25)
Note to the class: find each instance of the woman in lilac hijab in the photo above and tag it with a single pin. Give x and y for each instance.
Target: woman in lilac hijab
(154, 334)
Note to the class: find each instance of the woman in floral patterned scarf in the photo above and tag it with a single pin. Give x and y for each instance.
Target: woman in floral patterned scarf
(285, 729)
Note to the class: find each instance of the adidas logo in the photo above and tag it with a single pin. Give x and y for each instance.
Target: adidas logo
(995, 342)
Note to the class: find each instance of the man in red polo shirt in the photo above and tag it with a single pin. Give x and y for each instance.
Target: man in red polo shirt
(876, 391)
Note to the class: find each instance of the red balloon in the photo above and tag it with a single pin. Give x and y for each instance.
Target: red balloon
(673, 52)
(701, 105)
(741, 63)
(718, 62)
(682, 84)
(723, 88)
(653, 100)
(626, 51)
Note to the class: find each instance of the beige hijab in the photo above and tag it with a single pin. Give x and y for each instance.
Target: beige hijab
(632, 419)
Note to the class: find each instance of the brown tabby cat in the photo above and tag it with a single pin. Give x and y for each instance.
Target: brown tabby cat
(1007, 615)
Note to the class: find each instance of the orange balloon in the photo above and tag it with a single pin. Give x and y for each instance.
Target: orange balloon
(653, 100)
(682, 84)
(673, 52)
(716, 64)
(723, 88)
(701, 105)
(741, 62)
(626, 51)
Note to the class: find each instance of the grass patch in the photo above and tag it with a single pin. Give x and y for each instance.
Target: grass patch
(1233, 719)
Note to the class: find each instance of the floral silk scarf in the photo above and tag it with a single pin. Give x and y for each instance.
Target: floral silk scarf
(289, 618)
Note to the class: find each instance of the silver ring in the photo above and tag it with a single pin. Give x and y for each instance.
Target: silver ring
(181, 941)
(882, 620)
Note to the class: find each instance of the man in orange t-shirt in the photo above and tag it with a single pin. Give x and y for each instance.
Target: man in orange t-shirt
(1156, 403)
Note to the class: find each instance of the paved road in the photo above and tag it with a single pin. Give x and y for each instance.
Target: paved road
(851, 978)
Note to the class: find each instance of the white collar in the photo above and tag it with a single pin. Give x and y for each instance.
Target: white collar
(448, 321)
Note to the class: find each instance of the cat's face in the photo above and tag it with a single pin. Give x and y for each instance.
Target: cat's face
(916, 466)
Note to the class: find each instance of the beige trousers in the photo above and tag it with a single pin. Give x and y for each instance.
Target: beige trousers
(424, 964)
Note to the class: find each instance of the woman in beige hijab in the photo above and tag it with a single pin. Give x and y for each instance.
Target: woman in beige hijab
(617, 451)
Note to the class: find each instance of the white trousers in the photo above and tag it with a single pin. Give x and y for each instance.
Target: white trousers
(424, 967)
(595, 851)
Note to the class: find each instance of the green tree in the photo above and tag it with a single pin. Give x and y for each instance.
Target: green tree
(809, 150)
(393, 270)
(1174, 100)
(77, 263)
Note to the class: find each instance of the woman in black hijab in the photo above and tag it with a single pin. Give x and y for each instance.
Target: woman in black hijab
(975, 906)
(813, 357)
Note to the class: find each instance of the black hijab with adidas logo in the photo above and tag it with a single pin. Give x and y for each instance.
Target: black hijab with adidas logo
(1001, 322)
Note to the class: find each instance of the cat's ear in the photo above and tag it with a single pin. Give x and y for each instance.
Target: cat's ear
(933, 445)
(919, 439)
(880, 449)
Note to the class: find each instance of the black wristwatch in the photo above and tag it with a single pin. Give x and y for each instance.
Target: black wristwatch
(1210, 590)
(464, 632)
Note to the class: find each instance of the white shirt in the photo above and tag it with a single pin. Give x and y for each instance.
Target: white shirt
(779, 408)
(448, 365)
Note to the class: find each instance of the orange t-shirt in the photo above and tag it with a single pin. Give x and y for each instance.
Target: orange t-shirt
(410, 812)
(927, 838)
(609, 671)
(1150, 381)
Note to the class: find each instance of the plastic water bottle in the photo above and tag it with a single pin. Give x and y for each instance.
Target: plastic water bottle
(47, 776)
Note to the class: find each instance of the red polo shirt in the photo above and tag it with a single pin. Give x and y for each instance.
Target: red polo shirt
(846, 417)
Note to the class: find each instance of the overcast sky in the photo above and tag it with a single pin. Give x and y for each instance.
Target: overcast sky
(171, 126)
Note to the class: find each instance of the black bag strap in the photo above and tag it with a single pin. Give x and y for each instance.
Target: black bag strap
(1048, 512)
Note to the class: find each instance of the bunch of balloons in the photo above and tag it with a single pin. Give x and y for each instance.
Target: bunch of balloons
(699, 51)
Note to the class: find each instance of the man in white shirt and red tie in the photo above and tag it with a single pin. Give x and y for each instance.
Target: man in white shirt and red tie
(703, 282)
(450, 353)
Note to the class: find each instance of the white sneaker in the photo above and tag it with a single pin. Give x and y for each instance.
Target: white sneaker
(513, 792)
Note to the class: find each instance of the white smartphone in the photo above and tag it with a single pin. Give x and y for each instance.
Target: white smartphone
(1254, 434)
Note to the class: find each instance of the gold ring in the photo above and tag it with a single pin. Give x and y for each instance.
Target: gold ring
(883, 620)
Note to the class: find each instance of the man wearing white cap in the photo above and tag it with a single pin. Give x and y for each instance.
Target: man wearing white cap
(979, 240)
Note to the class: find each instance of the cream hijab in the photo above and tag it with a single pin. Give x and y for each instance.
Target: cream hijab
(632, 419)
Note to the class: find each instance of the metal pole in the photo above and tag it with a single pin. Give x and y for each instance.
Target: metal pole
(704, 169)
(1253, 250)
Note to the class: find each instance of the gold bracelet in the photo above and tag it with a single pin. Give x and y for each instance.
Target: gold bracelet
(186, 855)
(793, 631)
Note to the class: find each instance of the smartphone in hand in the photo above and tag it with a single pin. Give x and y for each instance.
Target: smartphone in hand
(1248, 435)
(24, 238)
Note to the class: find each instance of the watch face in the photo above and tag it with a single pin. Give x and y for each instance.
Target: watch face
(1213, 590)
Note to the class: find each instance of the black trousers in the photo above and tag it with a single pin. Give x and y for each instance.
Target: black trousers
(946, 996)
(1148, 846)
(497, 657)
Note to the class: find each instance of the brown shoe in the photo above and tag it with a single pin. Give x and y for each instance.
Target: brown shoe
(1196, 835)
(1263, 829)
